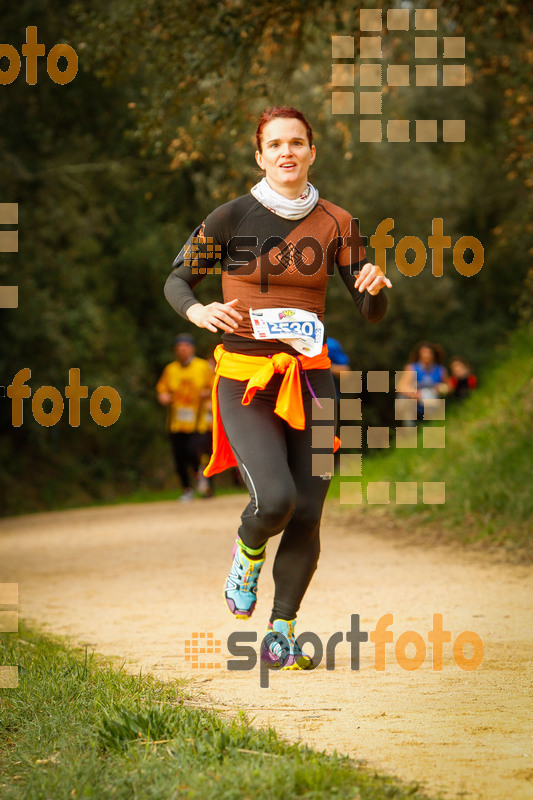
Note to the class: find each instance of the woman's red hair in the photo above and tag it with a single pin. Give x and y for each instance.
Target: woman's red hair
(286, 112)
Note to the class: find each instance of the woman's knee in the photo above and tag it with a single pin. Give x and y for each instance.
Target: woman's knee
(277, 507)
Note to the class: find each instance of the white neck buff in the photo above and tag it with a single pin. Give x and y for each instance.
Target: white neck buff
(288, 209)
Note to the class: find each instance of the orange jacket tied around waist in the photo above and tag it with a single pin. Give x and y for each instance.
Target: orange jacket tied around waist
(258, 370)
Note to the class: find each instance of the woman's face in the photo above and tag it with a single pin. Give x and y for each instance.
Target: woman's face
(459, 369)
(286, 156)
(425, 355)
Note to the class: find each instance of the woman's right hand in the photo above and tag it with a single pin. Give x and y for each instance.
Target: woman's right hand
(406, 386)
(215, 315)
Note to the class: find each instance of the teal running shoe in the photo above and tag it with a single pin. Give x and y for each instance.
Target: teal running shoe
(240, 590)
(280, 649)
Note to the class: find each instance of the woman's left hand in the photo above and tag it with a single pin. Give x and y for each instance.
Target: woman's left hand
(372, 278)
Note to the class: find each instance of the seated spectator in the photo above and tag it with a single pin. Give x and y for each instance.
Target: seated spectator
(424, 377)
(461, 380)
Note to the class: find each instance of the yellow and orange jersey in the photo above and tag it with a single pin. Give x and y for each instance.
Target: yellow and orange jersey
(188, 386)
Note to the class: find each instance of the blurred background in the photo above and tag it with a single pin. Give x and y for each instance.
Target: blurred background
(113, 171)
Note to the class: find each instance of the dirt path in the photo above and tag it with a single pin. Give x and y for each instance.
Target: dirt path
(125, 580)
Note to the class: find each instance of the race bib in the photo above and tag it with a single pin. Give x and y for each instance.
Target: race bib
(302, 330)
(184, 414)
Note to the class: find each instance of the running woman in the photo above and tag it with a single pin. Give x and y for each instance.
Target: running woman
(277, 245)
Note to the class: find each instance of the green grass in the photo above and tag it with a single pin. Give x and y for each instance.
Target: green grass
(78, 728)
(487, 463)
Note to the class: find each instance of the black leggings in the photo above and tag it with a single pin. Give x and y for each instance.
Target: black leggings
(275, 461)
(184, 450)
